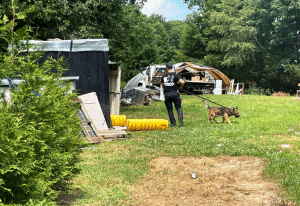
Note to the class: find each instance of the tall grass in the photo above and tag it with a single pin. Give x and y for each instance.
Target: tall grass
(265, 123)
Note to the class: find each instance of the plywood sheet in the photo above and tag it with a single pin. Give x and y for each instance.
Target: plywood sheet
(91, 107)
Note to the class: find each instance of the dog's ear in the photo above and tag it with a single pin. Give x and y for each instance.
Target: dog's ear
(236, 107)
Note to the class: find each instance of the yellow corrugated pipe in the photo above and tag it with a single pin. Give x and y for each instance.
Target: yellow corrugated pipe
(147, 124)
(118, 120)
(139, 124)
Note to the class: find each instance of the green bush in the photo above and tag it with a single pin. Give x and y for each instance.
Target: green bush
(254, 90)
(39, 128)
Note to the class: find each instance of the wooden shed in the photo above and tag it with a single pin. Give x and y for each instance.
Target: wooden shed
(86, 58)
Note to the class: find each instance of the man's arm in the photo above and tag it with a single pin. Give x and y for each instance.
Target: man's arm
(182, 82)
(162, 82)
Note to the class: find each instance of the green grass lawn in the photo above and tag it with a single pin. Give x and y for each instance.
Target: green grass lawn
(265, 124)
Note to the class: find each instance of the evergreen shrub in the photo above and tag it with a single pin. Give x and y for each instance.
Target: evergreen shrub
(39, 128)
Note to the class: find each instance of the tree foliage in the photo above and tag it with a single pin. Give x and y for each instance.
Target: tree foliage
(253, 40)
(162, 39)
(138, 41)
(192, 42)
(249, 40)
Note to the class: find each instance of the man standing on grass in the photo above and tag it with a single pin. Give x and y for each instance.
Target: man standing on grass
(169, 83)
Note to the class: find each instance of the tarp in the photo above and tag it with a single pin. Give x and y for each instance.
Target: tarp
(5, 82)
(76, 45)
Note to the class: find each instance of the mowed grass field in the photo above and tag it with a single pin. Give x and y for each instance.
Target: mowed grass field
(268, 127)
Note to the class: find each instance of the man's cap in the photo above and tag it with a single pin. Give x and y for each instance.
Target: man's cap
(169, 65)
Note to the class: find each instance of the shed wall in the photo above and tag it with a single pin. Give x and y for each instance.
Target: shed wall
(92, 69)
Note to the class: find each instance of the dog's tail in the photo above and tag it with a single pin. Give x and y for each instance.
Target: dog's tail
(206, 104)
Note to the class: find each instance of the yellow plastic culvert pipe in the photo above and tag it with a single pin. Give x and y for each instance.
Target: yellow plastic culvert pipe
(118, 120)
(139, 124)
(147, 124)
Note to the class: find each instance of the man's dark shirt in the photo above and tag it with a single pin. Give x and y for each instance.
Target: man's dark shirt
(170, 82)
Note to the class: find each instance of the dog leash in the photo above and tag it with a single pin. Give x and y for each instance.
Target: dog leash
(203, 98)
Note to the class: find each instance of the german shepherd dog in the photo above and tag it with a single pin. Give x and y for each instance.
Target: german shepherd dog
(224, 112)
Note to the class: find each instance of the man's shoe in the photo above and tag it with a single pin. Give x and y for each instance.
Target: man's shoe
(180, 123)
(173, 125)
(180, 117)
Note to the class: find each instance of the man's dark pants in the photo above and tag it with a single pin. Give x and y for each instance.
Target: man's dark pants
(170, 98)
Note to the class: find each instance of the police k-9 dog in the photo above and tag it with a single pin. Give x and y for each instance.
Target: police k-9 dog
(224, 112)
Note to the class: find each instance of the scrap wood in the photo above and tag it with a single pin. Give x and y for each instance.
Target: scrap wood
(92, 109)
(93, 122)
(94, 140)
(120, 128)
(231, 86)
(238, 91)
(107, 135)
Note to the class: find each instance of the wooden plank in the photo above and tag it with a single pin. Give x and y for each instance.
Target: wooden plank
(94, 140)
(111, 131)
(120, 128)
(107, 135)
(114, 91)
(112, 134)
(243, 88)
(237, 90)
(91, 107)
(231, 86)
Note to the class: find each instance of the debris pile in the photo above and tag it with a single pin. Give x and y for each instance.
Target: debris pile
(93, 123)
(279, 94)
(95, 128)
(145, 86)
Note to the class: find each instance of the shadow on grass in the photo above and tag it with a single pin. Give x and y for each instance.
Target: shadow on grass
(69, 196)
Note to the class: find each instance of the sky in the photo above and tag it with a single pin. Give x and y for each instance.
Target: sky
(170, 9)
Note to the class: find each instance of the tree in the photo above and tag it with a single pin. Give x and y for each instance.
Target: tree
(162, 39)
(138, 41)
(192, 42)
(71, 19)
(50, 18)
(278, 26)
(252, 40)
(286, 34)
(175, 30)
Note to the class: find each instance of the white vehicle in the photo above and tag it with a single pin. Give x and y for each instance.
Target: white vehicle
(152, 75)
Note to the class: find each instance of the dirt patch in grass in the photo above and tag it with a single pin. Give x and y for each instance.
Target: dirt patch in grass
(219, 181)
